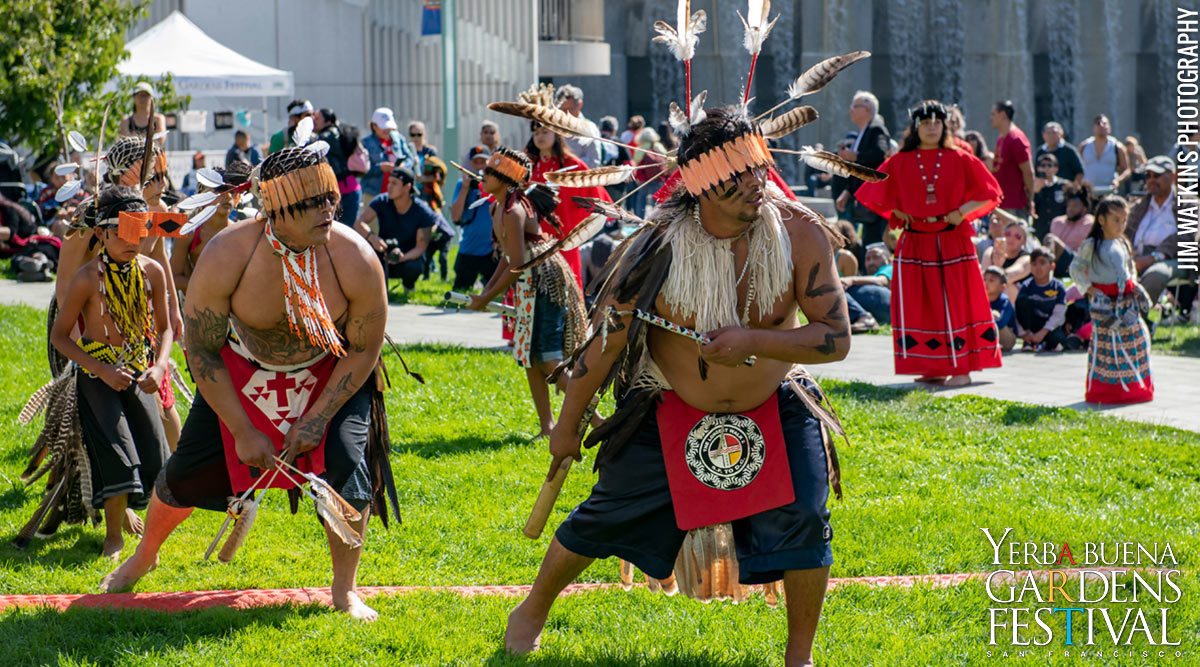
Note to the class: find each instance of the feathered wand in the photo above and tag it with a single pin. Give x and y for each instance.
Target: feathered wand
(682, 39)
(757, 30)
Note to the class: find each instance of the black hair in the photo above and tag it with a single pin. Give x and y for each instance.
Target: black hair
(241, 133)
(236, 172)
(977, 148)
(329, 115)
(112, 201)
(1048, 157)
(998, 272)
(666, 134)
(1040, 252)
(292, 159)
(1007, 108)
(298, 102)
(559, 149)
(1106, 205)
(720, 125)
(1080, 191)
(923, 110)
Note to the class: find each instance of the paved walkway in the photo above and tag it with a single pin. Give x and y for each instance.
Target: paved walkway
(1046, 379)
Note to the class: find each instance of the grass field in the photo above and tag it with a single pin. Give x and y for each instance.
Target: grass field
(922, 475)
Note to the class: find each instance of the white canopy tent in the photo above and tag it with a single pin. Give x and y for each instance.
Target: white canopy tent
(202, 66)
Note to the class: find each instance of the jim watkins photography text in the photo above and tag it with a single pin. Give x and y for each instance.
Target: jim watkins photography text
(1101, 599)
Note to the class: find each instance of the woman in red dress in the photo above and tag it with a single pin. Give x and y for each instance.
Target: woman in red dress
(942, 321)
(548, 152)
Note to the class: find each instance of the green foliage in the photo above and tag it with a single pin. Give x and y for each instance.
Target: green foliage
(63, 54)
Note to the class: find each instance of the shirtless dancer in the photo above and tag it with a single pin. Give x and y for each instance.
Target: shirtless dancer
(186, 252)
(245, 278)
(734, 258)
(123, 167)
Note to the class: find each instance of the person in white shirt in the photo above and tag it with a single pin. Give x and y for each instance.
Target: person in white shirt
(570, 99)
(1152, 231)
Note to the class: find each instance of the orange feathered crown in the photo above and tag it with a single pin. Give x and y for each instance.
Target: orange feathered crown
(724, 161)
(509, 165)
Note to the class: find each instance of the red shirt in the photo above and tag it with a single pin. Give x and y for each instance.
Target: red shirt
(568, 212)
(1012, 150)
(961, 178)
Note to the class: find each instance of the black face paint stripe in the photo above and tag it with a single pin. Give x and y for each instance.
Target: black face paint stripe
(730, 192)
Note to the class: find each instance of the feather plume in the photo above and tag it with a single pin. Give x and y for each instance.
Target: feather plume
(682, 38)
(583, 232)
(337, 513)
(783, 125)
(756, 26)
(541, 95)
(598, 177)
(209, 178)
(826, 161)
(819, 75)
(678, 120)
(556, 119)
(66, 168)
(682, 123)
(241, 528)
(303, 131)
(180, 385)
(696, 113)
(198, 219)
(159, 136)
(36, 403)
(197, 200)
(320, 147)
(607, 209)
(77, 141)
(68, 190)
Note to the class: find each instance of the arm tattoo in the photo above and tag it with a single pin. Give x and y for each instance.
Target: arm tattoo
(337, 396)
(205, 330)
(812, 291)
(356, 329)
(829, 346)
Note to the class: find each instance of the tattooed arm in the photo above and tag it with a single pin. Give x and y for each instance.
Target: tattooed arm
(818, 293)
(366, 317)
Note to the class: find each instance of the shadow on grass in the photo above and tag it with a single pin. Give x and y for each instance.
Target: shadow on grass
(668, 659)
(433, 449)
(70, 546)
(1022, 413)
(97, 636)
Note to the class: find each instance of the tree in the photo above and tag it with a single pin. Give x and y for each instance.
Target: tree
(59, 57)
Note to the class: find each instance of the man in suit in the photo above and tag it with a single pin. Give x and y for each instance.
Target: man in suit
(870, 149)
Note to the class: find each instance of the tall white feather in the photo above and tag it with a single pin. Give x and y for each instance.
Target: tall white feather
(756, 26)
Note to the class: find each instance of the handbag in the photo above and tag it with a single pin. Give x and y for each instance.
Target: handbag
(359, 162)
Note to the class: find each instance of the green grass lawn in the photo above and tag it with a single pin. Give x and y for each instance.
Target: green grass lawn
(922, 475)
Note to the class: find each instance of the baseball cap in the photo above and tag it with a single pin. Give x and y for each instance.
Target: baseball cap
(143, 87)
(403, 173)
(1160, 164)
(478, 151)
(383, 117)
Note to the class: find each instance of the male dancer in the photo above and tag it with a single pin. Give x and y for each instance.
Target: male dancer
(297, 295)
(729, 255)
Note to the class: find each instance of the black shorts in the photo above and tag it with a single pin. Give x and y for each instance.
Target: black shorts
(196, 474)
(630, 514)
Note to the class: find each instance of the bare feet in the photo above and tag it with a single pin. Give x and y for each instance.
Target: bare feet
(112, 547)
(128, 573)
(959, 380)
(931, 379)
(133, 523)
(523, 633)
(354, 607)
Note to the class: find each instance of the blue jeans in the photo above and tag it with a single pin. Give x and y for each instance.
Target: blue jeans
(350, 204)
(873, 299)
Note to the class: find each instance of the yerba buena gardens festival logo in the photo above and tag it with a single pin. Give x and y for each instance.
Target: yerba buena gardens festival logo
(1103, 600)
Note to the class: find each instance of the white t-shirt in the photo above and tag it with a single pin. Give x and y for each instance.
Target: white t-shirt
(1157, 226)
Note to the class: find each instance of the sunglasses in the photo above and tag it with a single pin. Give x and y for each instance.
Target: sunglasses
(1047, 164)
(416, 134)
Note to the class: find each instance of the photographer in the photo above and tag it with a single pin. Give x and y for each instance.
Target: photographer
(405, 226)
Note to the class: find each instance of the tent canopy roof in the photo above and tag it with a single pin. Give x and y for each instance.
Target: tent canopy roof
(202, 66)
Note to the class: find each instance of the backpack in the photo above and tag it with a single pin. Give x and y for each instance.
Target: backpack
(358, 162)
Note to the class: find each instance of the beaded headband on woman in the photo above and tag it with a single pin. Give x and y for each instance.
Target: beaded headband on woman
(505, 165)
(724, 161)
(928, 110)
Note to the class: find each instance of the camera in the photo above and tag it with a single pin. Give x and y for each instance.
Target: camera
(392, 252)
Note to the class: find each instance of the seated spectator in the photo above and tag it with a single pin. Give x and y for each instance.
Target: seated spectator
(1151, 230)
(476, 260)
(1136, 183)
(243, 150)
(1048, 199)
(34, 253)
(1008, 252)
(994, 229)
(1041, 305)
(405, 227)
(1068, 231)
(995, 282)
(189, 184)
(853, 253)
(869, 297)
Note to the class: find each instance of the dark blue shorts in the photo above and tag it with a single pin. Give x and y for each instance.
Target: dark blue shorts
(549, 320)
(630, 514)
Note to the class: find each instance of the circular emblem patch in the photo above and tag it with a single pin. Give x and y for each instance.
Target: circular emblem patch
(725, 452)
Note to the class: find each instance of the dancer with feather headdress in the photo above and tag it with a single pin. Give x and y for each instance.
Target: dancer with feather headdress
(721, 442)
(550, 318)
(285, 350)
(103, 443)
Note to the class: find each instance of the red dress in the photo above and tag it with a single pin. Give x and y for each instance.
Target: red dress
(941, 319)
(568, 212)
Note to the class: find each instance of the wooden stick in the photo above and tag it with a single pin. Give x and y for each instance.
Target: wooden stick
(548, 494)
